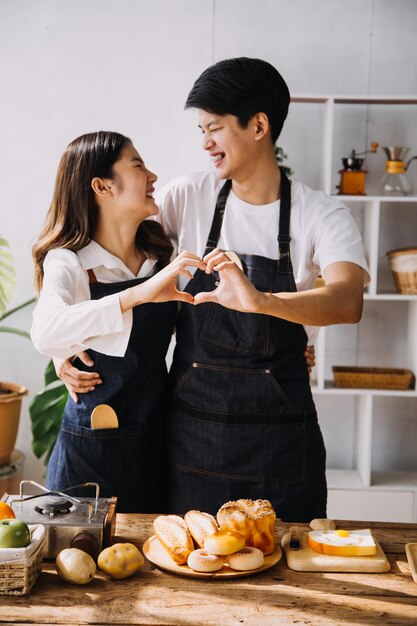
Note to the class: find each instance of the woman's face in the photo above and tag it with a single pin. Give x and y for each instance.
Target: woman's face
(132, 186)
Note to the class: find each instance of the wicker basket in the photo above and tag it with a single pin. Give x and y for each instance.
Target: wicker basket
(404, 269)
(20, 567)
(373, 377)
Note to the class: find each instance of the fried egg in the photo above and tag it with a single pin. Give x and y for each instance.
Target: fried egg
(342, 542)
(337, 537)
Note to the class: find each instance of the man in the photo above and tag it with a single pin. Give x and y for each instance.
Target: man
(242, 421)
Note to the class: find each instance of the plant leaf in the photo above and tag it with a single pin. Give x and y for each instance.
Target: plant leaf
(8, 279)
(17, 308)
(50, 373)
(14, 331)
(46, 411)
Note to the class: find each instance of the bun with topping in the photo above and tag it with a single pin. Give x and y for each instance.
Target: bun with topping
(254, 519)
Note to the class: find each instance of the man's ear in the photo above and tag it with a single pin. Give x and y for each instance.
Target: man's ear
(261, 125)
(100, 187)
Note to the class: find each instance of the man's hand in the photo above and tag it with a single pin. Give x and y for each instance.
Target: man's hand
(235, 291)
(74, 379)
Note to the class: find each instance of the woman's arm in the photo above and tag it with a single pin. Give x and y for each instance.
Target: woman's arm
(65, 320)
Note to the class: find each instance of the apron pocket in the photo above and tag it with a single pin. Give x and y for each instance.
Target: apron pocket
(255, 452)
(248, 391)
(246, 333)
(121, 460)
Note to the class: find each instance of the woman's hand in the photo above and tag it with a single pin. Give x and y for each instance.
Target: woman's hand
(162, 287)
(75, 380)
(310, 357)
(235, 291)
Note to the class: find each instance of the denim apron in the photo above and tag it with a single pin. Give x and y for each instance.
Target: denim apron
(128, 461)
(242, 421)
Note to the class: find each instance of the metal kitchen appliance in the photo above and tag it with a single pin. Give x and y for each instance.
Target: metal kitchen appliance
(85, 523)
(395, 181)
(352, 176)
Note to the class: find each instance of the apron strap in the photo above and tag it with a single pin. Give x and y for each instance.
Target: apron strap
(284, 261)
(217, 222)
(91, 277)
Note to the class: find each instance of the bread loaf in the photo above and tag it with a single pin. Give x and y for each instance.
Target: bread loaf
(200, 526)
(173, 534)
(254, 519)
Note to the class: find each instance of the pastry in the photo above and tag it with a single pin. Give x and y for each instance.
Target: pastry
(246, 559)
(254, 519)
(224, 542)
(202, 561)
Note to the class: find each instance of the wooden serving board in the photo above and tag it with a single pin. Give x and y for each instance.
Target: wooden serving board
(307, 560)
(411, 552)
(156, 554)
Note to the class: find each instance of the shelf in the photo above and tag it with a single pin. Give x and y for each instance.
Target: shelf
(368, 198)
(369, 428)
(344, 479)
(391, 297)
(353, 99)
(384, 481)
(394, 480)
(331, 390)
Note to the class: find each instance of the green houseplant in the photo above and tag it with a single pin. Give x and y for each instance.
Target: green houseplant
(46, 411)
(47, 407)
(11, 394)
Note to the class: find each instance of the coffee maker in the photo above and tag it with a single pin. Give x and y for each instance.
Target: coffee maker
(352, 176)
(395, 181)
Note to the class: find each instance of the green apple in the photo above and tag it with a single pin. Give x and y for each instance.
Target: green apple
(14, 533)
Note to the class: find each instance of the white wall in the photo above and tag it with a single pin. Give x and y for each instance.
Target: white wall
(72, 66)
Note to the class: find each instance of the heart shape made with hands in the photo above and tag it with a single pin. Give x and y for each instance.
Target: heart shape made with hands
(235, 258)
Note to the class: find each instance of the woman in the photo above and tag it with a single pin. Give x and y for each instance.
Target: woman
(98, 264)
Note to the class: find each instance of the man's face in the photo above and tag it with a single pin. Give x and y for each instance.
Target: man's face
(231, 148)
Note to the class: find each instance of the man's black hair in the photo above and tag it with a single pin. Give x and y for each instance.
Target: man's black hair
(242, 87)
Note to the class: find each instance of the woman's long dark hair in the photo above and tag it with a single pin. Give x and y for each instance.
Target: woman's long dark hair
(71, 220)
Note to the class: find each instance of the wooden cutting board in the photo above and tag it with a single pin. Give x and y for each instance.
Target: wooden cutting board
(307, 560)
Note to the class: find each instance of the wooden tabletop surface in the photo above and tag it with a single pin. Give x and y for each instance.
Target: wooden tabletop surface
(278, 596)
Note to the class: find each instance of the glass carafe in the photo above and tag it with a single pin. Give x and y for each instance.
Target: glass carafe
(395, 181)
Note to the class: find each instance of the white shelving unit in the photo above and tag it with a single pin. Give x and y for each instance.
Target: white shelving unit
(364, 480)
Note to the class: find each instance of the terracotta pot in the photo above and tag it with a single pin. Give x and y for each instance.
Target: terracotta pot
(10, 403)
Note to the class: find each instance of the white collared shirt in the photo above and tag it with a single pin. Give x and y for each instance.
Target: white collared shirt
(65, 320)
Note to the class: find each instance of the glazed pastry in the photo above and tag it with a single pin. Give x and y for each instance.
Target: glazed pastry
(224, 542)
(254, 519)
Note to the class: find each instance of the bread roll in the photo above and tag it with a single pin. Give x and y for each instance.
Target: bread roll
(173, 534)
(254, 519)
(200, 525)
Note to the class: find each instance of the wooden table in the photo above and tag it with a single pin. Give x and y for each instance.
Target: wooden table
(279, 596)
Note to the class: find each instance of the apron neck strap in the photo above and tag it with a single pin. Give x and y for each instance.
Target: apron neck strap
(284, 217)
(216, 225)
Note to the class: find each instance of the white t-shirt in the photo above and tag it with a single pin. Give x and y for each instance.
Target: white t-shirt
(322, 228)
(65, 320)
